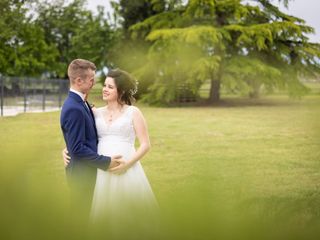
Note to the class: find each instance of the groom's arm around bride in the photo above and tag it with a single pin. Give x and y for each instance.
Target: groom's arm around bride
(78, 148)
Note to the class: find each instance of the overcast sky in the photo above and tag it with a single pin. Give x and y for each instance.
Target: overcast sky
(305, 9)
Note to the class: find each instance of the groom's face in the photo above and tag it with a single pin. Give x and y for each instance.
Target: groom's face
(88, 82)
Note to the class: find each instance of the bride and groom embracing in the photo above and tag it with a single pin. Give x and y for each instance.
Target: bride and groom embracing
(103, 170)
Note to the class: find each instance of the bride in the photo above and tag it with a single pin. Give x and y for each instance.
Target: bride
(123, 193)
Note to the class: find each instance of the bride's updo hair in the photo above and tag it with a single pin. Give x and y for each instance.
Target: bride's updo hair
(126, 85)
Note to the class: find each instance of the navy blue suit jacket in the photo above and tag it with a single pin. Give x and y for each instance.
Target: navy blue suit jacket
(80, 134)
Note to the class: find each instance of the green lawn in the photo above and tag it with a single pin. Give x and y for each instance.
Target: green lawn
(209, 167)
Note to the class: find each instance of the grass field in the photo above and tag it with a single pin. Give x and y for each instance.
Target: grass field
(243, 163)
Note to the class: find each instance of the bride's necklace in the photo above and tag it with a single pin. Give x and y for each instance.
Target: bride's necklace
(112, 115)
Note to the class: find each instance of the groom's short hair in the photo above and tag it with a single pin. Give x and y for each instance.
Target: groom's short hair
(79, 68)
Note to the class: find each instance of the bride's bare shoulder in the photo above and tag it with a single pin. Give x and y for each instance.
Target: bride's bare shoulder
(101, 108)
(134, 109)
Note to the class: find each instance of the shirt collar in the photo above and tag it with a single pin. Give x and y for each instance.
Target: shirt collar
(78, 93)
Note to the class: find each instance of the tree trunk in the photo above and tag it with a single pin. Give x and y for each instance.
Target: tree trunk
(255, 93)
(214, 91)
(214, 96)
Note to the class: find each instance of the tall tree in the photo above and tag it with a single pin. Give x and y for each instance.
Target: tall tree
(131, 50)
(23, 49)
(76, 32)
(233, 44)
(94, 39)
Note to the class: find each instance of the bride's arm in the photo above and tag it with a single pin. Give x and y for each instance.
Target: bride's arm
(141, 129)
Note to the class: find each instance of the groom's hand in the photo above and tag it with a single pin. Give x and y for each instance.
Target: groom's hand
(115, 161)
(66, 157)
(121, 168)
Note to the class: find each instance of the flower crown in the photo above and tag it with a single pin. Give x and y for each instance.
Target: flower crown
(134, 90)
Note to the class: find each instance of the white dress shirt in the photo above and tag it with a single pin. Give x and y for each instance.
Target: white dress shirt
(78, 93)
(81, 95)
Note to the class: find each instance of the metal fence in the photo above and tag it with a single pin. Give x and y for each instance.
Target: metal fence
(31, 94)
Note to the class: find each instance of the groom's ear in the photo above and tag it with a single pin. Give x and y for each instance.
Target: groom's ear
(78, 81)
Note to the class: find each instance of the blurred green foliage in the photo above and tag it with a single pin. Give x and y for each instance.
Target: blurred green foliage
(244, 170)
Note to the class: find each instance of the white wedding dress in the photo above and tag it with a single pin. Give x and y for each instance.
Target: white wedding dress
(118, 196)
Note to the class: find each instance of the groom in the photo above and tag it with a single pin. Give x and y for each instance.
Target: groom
(80, 134)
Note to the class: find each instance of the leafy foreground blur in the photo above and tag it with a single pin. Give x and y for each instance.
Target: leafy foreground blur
(249, 172)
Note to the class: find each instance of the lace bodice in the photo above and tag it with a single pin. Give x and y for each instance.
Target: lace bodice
(120, 130)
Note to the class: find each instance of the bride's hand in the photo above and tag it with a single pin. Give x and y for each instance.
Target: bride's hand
(121, 168)
(66, 157)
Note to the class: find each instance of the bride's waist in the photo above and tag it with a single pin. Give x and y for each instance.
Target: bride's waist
(115, 140)
(110, 148)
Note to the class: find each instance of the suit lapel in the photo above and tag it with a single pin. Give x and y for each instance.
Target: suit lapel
(86, 108)
(92, 117)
